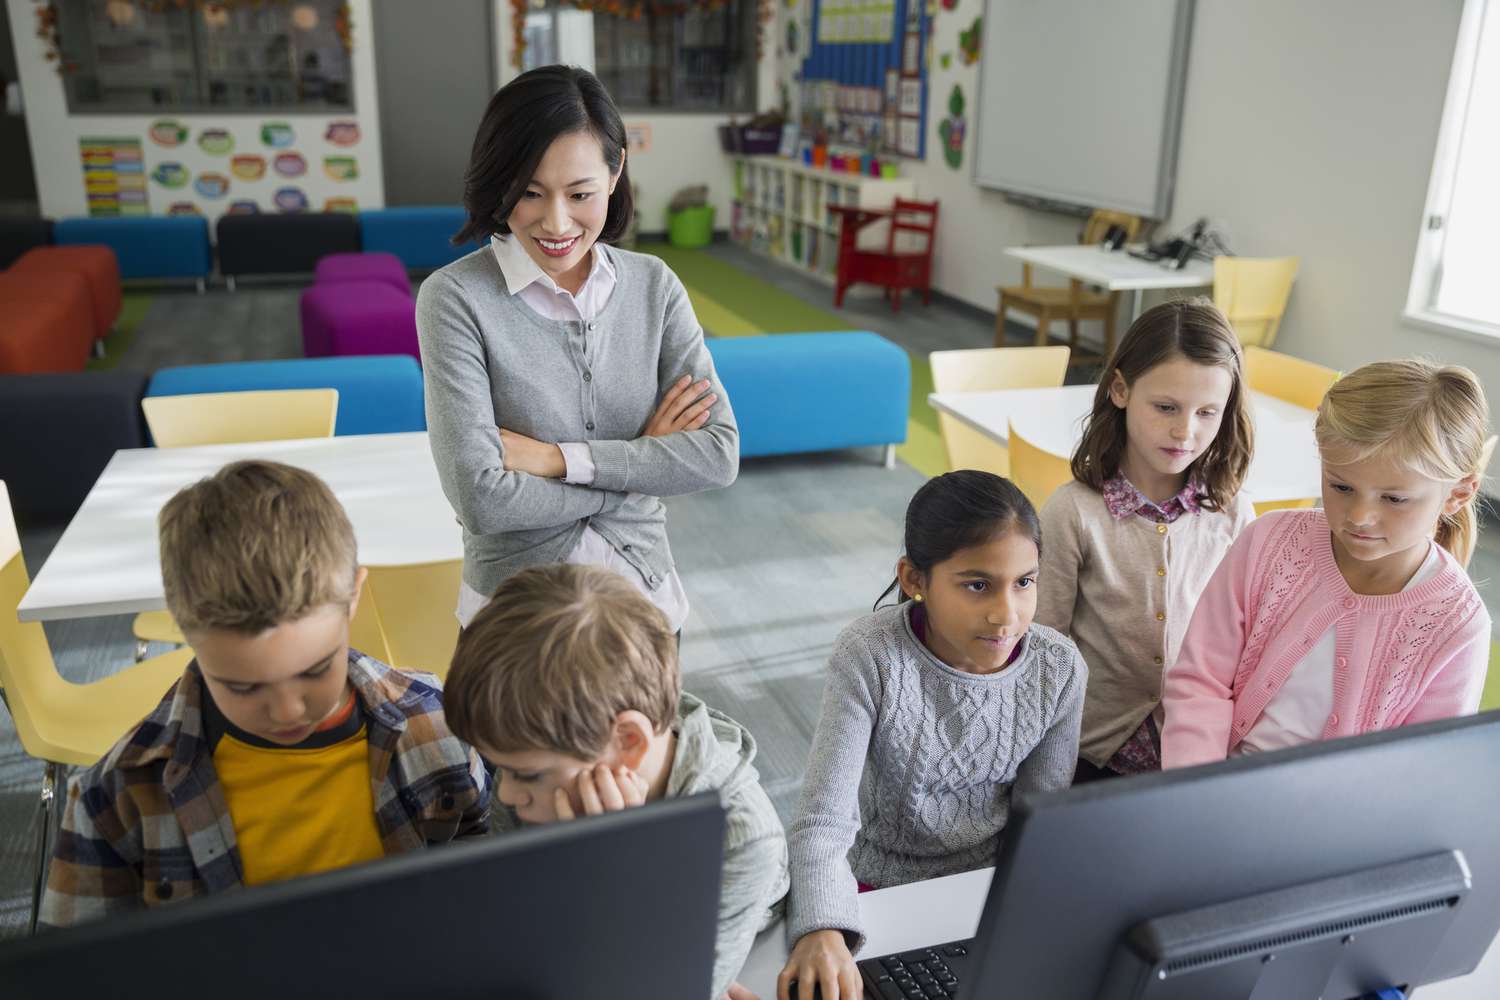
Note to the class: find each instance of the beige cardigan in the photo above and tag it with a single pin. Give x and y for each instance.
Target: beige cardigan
(1124, 589)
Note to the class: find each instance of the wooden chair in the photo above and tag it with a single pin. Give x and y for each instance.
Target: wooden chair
(1036, 472)
(900, 265)
(1301, 383)
(228, 418)
(1253, 293)
(982, 370)
(405, 615)
(1073, 302)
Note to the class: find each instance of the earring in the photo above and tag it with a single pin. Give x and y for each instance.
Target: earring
(917, 598)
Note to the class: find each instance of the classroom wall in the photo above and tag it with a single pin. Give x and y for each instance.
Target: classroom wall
(684, 147)
(55, 136)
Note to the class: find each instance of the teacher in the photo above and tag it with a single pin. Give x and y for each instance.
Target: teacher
(568, 387)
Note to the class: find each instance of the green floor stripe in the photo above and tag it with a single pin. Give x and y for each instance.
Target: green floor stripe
(133, 306)
(731, 303)
(1491, 697)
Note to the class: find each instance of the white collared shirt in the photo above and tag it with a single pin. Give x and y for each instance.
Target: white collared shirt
(543, 296)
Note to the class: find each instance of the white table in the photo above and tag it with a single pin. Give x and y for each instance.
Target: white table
(1115, 270)
(948, 909)
(106, 562)
(1284, 467)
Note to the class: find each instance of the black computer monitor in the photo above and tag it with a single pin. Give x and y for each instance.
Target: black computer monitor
(622, 904)
(1328, 870)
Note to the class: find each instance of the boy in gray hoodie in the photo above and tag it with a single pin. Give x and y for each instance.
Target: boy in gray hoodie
(567, 681)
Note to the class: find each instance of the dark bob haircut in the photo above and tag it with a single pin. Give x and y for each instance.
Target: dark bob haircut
(521, 122)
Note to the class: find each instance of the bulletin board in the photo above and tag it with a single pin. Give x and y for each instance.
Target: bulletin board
(866, 70)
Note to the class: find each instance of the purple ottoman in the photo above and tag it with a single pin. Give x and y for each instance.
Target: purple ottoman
(385, 267)
(358, 317)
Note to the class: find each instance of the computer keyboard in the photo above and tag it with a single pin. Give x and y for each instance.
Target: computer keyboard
(923, 974)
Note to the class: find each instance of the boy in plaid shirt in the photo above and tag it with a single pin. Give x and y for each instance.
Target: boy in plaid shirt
(281, 751)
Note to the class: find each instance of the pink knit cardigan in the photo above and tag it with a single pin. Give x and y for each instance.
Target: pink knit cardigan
(1399, 658)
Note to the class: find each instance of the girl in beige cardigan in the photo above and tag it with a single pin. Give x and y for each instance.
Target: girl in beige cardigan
(1153, 506)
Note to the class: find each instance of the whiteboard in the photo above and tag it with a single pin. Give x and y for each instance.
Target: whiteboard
(1080, 101)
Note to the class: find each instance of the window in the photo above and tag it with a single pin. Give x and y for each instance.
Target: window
(693, 59)
(1453, 281)
(126, 57)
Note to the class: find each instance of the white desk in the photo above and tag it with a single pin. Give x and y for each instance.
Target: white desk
(107, 561)
(1115, 270)
(948, 909)
(1285, 465)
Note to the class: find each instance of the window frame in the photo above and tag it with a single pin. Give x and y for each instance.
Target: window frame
(1421, 309)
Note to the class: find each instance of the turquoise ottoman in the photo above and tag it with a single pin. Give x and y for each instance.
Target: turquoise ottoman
(378, 394)
(150, 247)
(798, 392)
(421, 235)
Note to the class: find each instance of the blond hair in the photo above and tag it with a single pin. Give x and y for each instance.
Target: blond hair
(1431, 418)
(253, 546)
(554, 657)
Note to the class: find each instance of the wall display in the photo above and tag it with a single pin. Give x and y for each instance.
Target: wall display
(248, 166)
(170, 175)
(290, 199)
(861, 93)
(168, 133)
(638, 137)
(844, 22)
(968, 42)
(114, 175)
(184, 208)
(953, 128)
(215, 141)
(340, 168)
(791, 37)
(289, 164)
(244, 206)
(340, 205)
(945, 60)
(211, 185)
(342, 133)
(277, 135)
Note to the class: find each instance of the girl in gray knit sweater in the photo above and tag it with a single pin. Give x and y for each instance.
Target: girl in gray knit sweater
(935, 711)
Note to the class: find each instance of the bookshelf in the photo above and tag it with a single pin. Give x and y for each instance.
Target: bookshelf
(780, 209)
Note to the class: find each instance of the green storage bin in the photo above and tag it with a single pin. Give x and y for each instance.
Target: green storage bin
(691, 227)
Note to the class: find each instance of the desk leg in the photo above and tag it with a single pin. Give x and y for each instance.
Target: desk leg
(1135, 305)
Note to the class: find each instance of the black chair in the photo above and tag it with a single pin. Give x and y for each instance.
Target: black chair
(59, 431)
(19, 235)
(288, 244)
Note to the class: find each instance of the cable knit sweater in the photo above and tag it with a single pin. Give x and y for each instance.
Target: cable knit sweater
(914, 763)
(1400, 658)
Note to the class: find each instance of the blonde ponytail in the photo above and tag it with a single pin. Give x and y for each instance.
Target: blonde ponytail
(1433, 418)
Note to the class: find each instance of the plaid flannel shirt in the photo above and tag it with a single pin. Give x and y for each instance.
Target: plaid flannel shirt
(148, 824)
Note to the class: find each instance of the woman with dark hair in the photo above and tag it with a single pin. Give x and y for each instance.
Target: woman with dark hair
(568, 386)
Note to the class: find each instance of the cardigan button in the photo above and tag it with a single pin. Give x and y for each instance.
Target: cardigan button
(1351, 603)
(1161, 529)
(1334, 718)
(1342, 661)
(164, 889)
(589, 426)
(1161, 616)
(588, 376)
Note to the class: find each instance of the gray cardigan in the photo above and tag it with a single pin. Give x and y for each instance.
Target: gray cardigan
(488, 361)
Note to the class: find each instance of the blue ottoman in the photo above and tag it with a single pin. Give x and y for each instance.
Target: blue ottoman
(377, 394)
(797, 392)
(157, 246)
(420, 235)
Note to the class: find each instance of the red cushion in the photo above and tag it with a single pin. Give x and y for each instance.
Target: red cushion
(46, 322)
(97, 265)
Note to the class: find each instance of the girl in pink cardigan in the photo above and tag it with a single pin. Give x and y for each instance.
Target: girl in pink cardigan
(1359, 616)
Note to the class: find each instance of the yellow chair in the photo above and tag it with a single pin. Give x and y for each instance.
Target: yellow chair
(228, 418)
(59, 722)
(1301, 383)
(1037, 472)
(982, 370)
(405, 615)
(1252, 293)
(1072, 302)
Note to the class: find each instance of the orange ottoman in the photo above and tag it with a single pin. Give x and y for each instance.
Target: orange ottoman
(46, 322)
(97, 265)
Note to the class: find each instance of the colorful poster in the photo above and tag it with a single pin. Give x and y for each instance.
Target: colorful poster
(342, 133)
(243, 206)
(215, 141)
(289, 164)
(168, 133)
(340, 205)
(211, 185)
(114, 176)
(248, 166)
(170, 175)
(290, 199)
(340, 168)
(277, 135)
(184, 208)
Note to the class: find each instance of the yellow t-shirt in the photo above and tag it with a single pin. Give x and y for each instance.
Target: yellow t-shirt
(300, 809)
